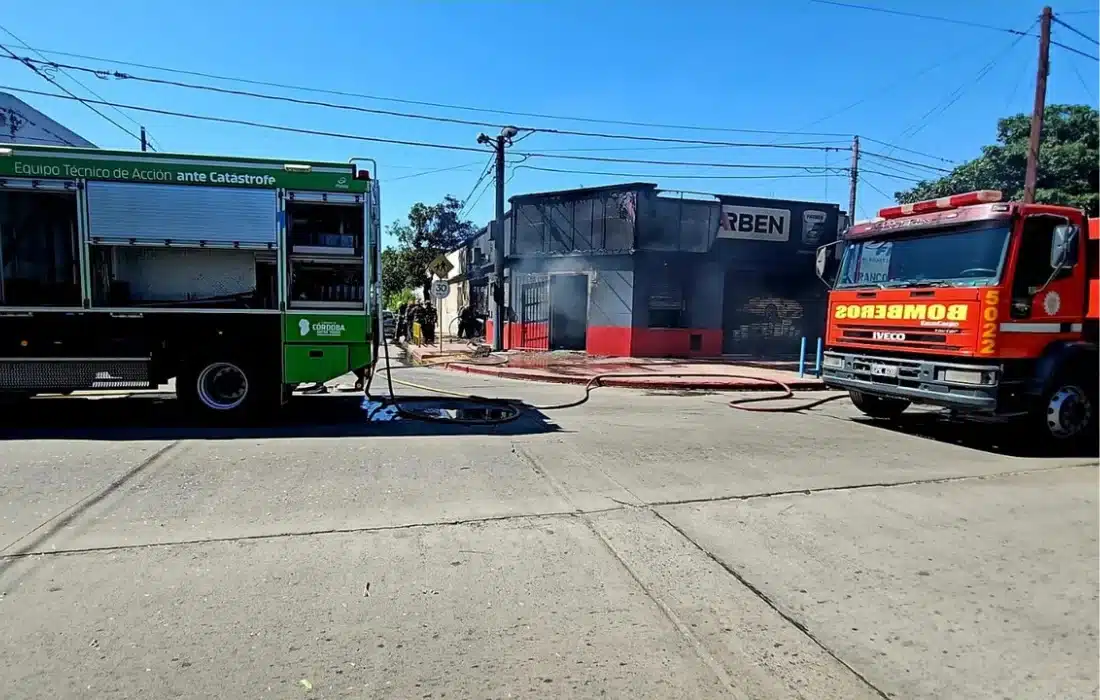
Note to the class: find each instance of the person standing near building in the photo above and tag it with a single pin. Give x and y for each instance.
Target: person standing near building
(427, 322)
(412, 321)
(401, 326)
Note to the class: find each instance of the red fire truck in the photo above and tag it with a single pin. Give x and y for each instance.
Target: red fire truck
(983, 307)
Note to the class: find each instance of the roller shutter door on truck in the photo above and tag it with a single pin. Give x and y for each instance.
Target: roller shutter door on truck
(127, 213)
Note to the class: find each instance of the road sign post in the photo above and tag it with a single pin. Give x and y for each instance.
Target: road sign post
(440, 267)
(440, 291)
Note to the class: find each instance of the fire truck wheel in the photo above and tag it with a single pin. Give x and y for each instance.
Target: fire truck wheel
(218, 387)
(878, 406)
(1067, 411)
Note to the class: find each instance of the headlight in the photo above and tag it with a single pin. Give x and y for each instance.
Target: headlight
(965, 376)
(833, 362)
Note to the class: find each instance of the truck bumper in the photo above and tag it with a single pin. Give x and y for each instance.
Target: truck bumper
(967, 388)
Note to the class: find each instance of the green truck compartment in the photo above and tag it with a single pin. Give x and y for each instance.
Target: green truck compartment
(321, 346)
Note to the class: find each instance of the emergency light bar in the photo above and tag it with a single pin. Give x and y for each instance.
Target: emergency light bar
(941, 204)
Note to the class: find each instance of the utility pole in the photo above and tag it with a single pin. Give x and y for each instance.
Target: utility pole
(144, 141)
(497, 231)
(854, 179)
(498, 251)
(1041, 74)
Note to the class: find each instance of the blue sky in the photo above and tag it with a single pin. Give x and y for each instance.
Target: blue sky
(787, 65)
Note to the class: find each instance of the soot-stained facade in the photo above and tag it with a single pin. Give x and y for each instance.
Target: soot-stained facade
(630, 270)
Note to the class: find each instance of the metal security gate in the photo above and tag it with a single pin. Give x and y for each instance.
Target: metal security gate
(534, 317)
(765, 316)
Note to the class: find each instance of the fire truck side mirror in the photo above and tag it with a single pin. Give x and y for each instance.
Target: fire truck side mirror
(826, 264)
(1063, 246)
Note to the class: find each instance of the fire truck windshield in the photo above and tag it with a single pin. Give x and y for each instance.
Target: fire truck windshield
(968, 255)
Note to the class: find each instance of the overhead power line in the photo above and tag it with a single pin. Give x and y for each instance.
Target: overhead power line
(1076, 31)
(958, 93)
(677, 163)
(412, 115)
(900, 170)
(462, 166)
(904, 161)
(870, 184)
(896, 147)
(479, 196)
(53, 82)
(484, 173)
(836, 146)
(247, 122)
(403, 142)
(439, 105)
(1073, 50)
(70, 94)
(663, 176)
(67, 75)
(904, 80)
(949, 20)
(892, 176)
(915, 15)
(1085, 85)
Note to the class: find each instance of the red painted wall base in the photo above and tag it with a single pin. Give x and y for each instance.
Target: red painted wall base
(619, 341)
(654, 342)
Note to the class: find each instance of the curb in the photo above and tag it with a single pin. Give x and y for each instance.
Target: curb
(735, 384)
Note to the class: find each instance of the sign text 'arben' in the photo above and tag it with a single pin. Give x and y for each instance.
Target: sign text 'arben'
(755, 223)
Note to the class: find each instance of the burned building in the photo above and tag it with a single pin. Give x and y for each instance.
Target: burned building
(631, 270)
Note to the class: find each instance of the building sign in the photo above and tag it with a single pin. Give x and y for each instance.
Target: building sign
(813, 227)
(179, 171)
(755, 223)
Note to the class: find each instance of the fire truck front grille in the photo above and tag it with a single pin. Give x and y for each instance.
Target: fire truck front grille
(902, 373)
(907, 338)
(48, 374)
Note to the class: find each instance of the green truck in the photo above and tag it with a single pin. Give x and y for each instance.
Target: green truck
(240, 277)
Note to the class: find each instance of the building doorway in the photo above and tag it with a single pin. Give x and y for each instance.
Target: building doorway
(568, 312)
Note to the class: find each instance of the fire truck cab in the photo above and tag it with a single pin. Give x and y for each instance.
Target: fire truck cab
(983, 307)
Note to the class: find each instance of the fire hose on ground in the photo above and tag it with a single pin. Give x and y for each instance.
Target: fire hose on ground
(510, 411)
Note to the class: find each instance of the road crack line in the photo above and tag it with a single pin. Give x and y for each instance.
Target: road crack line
(797, 624)
(59, 520)
(685, 632)
(869, 485)
(300, 533)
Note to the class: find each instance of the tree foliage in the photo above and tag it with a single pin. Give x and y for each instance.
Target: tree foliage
(1068, 158)
(395, 273)
(428, 231)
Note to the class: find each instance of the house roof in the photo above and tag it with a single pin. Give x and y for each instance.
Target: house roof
(581, 192)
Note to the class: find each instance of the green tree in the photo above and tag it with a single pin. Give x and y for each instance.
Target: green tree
(395, 300)
(428, 231)
(1068, 160)
(395, 272)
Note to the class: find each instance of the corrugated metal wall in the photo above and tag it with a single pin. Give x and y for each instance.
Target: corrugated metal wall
(599, 222)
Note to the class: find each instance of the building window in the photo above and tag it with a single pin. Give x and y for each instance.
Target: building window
(665, 303)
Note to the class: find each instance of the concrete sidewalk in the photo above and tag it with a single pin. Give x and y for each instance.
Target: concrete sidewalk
(630, 372)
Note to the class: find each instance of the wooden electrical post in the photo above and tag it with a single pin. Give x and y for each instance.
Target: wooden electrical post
(1040, 106)
(853, 180)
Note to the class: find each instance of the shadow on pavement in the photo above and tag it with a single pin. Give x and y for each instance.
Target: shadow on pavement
(1008, 440)
(160, 417)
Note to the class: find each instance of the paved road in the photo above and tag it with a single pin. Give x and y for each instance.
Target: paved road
(642, 545)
